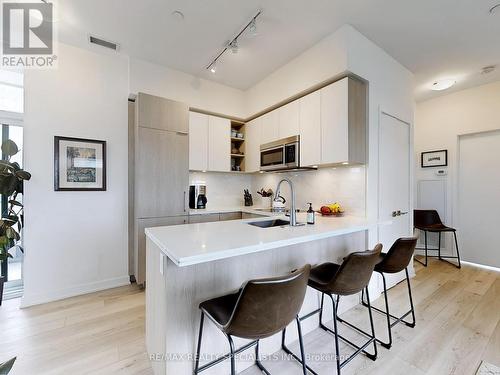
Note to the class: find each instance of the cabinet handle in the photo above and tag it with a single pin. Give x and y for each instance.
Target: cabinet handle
(184, 201)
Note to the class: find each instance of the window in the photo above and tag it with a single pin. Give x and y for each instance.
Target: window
(11, 91)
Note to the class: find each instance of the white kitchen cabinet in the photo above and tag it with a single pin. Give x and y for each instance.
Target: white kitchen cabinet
(209, 143)
(219, 144)
(269, 127)
(343, 122)
(334, 123)
(310, 129)
(289, 120)
(252, 145)
(198, 141)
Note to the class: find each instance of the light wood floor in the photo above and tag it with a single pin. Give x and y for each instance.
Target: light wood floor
(458, 325)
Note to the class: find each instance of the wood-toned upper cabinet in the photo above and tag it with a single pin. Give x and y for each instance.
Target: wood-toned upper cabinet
(269, 127)
(343, 122)
(252, 145)
(289, 120)
(198, 141)
(219, 144)
(161, 173)
(310, 129)
(160, 113)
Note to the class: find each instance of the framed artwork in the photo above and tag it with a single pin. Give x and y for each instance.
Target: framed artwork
(434, 159)
(79, 164)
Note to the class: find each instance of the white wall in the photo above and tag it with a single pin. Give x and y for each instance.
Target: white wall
(75, 242)
(440, 121)
(198, 93)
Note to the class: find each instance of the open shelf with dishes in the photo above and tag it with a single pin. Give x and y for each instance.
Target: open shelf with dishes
(237, 146)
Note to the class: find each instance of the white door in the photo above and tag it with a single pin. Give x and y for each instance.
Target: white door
(479, 198)
(394, 183)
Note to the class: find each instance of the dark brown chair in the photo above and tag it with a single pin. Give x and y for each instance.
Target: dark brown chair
(396, 260)
(429, 221)
(258, 310)
(350, 277)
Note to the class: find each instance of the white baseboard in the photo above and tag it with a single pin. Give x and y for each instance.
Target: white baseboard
(39, 298)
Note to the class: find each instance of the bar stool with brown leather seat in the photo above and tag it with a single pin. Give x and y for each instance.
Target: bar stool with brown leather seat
(258, 310)
(348, 278)
(396, 260)
(429, 221)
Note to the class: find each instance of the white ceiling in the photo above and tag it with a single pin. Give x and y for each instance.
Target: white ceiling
(433, 38)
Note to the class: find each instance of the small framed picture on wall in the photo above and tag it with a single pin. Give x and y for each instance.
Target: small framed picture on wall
(79, 164)
(434, 159)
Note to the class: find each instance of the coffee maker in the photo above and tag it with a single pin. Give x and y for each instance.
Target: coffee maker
(198, 196)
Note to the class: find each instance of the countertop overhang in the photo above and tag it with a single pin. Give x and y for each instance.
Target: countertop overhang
(192, 244)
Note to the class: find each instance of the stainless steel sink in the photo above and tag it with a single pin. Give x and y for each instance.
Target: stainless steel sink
(270, 223)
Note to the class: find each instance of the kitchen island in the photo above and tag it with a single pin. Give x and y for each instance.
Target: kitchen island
(187, 264)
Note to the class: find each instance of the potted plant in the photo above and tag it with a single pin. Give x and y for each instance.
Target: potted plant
(12, 178)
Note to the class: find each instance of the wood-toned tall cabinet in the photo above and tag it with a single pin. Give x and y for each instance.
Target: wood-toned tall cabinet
(159, 171)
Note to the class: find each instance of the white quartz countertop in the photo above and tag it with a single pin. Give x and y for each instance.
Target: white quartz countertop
(192, 244)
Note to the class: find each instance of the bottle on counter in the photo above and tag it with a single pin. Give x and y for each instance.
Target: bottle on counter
(310, 214)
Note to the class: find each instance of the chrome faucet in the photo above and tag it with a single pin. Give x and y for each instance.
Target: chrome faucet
(293, 211)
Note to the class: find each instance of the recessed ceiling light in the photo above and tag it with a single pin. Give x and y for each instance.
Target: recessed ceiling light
(443, 84)
(495, 9)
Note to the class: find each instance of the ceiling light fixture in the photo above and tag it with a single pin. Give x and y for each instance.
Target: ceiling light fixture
(443, 84)
(495, 9)
(252, 29)
(488, 69)
(213, 69)
(233, 44)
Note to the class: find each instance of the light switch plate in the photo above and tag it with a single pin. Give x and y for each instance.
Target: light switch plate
(162, 262)
(441, 172)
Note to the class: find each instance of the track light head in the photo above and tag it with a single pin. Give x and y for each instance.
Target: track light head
(252, 29)
(213, 69)
(234, 46)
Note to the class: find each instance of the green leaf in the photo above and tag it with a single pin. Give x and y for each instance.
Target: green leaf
(4, 164)
(23, 175)
(3, 240)
(10, 233)
(7, 366)
(9, 147)
(15, 203)
(8, 185)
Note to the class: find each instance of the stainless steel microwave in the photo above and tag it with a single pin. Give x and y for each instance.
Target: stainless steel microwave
(280, 155)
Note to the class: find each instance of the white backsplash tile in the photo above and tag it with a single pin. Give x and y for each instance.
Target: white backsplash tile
(346, 185)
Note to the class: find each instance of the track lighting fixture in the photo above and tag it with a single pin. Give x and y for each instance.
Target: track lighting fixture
(233, 44)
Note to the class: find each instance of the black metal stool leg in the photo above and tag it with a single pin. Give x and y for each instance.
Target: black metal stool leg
(458, 253)
(301, 344)
(374, 357)
(412, 325)
(388, 316)
(425, 247)
(200, 335)
(257, 360)
(336, 335)
(439, 246)
(232, 356)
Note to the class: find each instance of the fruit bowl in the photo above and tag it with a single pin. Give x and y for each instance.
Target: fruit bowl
(332, 210)
(337, 214)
